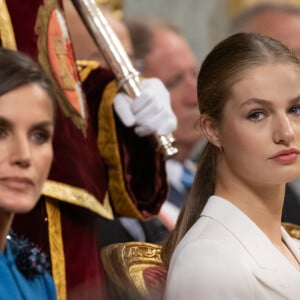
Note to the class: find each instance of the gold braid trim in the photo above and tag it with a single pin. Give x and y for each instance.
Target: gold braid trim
(7, 35)
(78, 197)
(56, 248)
(46, 11)
(85, 67)
(108, 145)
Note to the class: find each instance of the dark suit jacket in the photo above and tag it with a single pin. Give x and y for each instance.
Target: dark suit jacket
(291, 207)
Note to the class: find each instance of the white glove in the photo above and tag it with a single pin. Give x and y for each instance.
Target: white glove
(150, 113)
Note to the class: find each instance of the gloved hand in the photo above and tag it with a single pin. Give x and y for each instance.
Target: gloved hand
(150, 113)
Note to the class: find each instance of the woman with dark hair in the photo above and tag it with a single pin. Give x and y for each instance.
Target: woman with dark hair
(107, 160)
(229, 243)
(27, 113)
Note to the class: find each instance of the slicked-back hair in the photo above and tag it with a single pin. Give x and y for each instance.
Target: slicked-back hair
(18, 69)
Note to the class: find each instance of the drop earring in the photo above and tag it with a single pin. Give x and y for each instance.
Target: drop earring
(219, 147)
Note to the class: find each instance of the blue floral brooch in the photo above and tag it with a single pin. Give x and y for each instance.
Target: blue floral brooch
(30, 260)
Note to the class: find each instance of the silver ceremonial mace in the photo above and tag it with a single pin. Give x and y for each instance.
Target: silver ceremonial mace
(116, 57)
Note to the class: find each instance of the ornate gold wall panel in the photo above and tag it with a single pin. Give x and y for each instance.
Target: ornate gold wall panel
(236, 6)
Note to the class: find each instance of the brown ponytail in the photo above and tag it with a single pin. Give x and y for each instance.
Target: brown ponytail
(202, 189)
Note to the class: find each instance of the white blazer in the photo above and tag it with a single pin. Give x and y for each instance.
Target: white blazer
(226, 256)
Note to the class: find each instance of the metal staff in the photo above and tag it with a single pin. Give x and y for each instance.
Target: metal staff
(115, 55)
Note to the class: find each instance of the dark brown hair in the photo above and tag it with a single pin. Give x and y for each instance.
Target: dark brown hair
(18, 69)
(225, 64)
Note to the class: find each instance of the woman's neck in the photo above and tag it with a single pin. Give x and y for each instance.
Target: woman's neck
(5, 223)
(263, 205)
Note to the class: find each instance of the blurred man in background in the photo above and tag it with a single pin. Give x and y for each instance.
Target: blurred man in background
(83, 43)
(160, 50)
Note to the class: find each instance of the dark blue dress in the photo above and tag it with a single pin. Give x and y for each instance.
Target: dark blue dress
(15, 285)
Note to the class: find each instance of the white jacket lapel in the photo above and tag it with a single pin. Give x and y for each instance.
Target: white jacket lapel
(271, 266)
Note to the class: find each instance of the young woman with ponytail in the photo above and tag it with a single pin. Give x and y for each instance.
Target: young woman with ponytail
(229, 242)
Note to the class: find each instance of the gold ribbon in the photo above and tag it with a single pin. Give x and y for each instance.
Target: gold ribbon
(7, 35)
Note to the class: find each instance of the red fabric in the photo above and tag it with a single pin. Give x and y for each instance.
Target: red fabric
(84, 271)
(23, 16)
(82, 256)
(155, 280)
(76, 159)
(78, 162)
(143, 170)
(37, 220)
(142, 163)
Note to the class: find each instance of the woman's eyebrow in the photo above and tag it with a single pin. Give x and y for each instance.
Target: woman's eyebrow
(5, 122)
(262, 102)
(295, 100)
(266, 103)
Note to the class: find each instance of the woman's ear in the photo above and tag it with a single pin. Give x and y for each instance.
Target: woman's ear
(210, 129)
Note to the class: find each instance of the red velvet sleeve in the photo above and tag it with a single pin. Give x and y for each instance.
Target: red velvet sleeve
(77, 159)
(141, 163)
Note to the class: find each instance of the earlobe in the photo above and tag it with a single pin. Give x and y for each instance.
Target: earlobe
(210, 129)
